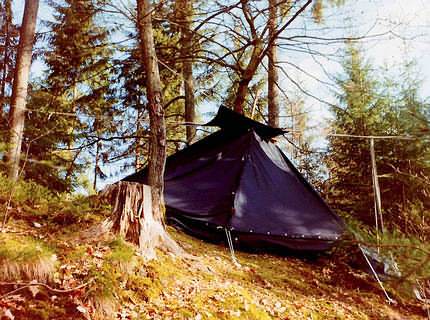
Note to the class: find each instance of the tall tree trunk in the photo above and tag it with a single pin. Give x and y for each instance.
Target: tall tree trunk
(157, 152)
(272, 90)
(20, 83)
(185, 11)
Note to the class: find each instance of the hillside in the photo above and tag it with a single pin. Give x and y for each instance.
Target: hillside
(114, 282)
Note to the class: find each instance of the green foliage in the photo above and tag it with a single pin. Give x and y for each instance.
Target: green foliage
(368, 106)
(309, 164)
(73, 106)
(348, 160)
(408, 252)
(33, 202)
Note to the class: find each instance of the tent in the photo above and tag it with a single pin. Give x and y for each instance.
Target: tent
(238, 180)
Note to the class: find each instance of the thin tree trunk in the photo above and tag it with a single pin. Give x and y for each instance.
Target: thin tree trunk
(97, 158)
(7, 16)
(157, 152)
(247, 75)
(185, 10)
(96, 167)
(20, 83)
(272, 90)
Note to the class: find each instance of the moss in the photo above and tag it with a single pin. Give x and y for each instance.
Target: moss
(234, 303)
(122, 251)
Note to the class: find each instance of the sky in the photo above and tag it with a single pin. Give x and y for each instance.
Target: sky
(395, 30)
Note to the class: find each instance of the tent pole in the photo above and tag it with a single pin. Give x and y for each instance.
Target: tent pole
(376, 190)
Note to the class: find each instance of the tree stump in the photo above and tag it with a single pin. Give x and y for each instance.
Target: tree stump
(133, 218)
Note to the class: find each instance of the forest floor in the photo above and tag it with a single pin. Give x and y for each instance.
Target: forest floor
(57, 261)
(114, 283)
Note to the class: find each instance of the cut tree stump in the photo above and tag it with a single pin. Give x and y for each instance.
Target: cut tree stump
(133, 218)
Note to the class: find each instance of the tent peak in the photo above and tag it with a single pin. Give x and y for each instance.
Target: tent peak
(230, 120)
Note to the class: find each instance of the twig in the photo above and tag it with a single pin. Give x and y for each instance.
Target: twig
(30, 284)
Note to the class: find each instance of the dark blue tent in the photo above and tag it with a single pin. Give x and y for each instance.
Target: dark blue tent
(237, 179)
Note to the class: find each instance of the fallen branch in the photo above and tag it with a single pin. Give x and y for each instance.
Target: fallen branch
(31, 284)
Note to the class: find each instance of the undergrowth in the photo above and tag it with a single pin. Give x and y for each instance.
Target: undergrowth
(407, 253)
(26, 200)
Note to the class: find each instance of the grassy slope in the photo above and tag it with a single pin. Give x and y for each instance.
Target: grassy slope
(206, 287)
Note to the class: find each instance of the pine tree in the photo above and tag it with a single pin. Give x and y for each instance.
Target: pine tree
(79, 80)
(348, 160)
(368, 106)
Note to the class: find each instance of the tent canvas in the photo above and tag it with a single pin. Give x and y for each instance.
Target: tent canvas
(237, 179)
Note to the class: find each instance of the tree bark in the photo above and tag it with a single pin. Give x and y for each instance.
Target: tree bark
(185, 10)
(272, 90)
(157, 152)
(247, 75)
(20, 84)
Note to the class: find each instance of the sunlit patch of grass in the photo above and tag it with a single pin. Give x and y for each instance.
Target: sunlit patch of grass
(25, 258)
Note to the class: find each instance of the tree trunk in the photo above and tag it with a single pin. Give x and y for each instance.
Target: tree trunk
(20, 83)
(139, 148)
(247, 75)
(185, 10)
(272, 81)
(157, 152)
(137, 209)
(241, 94)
